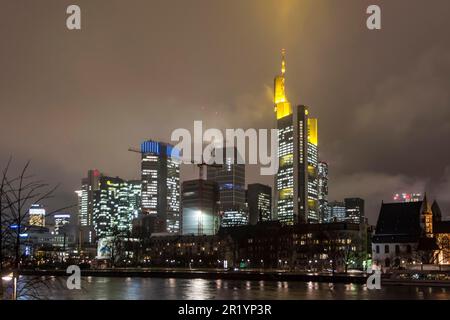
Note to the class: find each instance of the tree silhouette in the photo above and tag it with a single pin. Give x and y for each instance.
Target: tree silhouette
(17, 193)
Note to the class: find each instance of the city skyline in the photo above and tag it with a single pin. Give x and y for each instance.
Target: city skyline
(361, 99)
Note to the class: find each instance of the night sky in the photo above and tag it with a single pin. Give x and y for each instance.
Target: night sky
(75, 100)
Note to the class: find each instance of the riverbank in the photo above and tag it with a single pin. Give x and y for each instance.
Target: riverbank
(255, 275)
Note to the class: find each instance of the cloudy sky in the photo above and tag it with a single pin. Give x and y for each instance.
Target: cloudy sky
(75, 100)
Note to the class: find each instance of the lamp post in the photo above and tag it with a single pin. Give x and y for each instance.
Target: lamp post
(8, 278)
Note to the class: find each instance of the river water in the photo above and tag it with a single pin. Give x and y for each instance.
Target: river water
(105, 288)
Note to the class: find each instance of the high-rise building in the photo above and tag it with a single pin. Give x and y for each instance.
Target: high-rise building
(60, 220)
(230, 177)
(37, 215)
(160, 171)
(134, 196)
(354, 210)
(114, 206)
(336, 211)
(200, 203)
(322, 181)
(89, 185)
(259, 201)
(296, 183)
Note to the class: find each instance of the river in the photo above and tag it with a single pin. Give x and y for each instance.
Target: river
(116, 288)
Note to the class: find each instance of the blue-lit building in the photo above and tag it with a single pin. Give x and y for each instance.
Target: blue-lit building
(160, 176)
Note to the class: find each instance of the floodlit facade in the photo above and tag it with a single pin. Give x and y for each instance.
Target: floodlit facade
(200, 203)
(160, 172)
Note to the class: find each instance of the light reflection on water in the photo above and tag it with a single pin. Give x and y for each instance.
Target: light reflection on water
(103, 288)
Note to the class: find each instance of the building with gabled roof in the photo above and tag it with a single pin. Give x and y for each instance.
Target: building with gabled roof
(404, 234)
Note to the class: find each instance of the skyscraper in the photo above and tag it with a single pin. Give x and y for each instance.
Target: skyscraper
(354, 210)
(322, 181)
(160, 171)
(296, 183)
(114, 206)
(134, 196)
(230, 177)
(259, 200)
(89, 185)
(200, 203)
(37, 215)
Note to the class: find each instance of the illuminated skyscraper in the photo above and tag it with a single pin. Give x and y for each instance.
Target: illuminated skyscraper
(160, 173)
(230, 177)
(89, 185)
(323, 190)
(37, 215)
(296, 183)
(115, 206)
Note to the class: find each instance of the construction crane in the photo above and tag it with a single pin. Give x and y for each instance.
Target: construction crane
(135, 150)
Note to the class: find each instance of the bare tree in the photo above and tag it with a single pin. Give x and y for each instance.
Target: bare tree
(342, 248)
(17, 194)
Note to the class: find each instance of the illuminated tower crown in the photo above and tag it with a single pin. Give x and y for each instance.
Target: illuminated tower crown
(282, 105)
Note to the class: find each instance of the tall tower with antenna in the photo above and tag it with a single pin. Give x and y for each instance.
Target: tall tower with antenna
(296, 187)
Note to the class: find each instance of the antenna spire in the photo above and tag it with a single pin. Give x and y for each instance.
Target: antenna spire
(283, 61)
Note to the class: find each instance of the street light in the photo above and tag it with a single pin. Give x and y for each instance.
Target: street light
(8, 278)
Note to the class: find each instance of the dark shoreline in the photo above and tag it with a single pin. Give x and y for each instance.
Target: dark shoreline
(212, 275)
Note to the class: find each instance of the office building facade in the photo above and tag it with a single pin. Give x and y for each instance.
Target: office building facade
(160, 177)
(230, 178)
(61, 220)
(200, 207)
(115, 205)
(354, 210)
(322, 181)
(336, 212)
(259, 202)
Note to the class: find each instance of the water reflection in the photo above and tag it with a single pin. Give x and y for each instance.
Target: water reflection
(102, 288)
